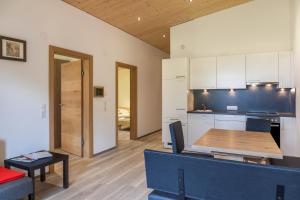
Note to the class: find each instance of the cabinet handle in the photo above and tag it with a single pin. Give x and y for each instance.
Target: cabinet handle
(180, 76)
(174, 119)
(253, 81)
(180, 108)
(274, 125)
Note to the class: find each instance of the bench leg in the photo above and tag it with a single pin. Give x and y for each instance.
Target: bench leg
(31, 175)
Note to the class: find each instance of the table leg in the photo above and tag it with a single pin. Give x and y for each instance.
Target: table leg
(66, 173)
(31, 175)
(43, 174)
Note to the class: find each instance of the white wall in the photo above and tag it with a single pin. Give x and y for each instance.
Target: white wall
(257, 26)
(296, 47)
(124, 88)
(24, 86)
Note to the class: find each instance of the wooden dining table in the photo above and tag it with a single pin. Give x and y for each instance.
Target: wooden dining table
(239, 145)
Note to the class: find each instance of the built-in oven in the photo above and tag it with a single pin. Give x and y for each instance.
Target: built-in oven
(274, 118)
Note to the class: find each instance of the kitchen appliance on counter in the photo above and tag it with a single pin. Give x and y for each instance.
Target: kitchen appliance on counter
(273, 117)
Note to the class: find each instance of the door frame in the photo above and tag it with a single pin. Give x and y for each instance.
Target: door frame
(133, 99)
(87, 103)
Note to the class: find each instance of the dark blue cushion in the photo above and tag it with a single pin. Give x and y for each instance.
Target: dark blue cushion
(214, 179)
(16, 189)
(258, 125)
(177, 137)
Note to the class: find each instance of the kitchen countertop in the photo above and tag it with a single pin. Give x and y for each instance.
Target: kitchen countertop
(226, 112)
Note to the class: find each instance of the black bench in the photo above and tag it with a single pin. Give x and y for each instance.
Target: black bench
(181, 177)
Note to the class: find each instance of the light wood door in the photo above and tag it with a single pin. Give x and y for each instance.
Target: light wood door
(203, 73)
(71, 107)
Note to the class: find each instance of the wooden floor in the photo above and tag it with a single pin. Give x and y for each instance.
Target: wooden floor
(117, 174)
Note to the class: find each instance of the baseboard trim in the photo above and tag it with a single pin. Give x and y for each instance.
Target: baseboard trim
(105, 151)
(149, 134)
(102, 152)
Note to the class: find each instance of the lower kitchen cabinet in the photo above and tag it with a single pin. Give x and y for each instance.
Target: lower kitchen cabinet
(166, 135)
(198, 124)
(288, 136)
(230, 122)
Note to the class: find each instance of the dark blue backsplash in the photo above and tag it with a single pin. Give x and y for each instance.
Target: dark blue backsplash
(259, 98)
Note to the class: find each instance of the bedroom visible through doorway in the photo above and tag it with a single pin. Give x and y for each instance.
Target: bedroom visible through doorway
(126, 102)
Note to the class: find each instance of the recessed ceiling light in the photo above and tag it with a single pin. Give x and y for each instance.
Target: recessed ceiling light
(139, 18)
(190, 0)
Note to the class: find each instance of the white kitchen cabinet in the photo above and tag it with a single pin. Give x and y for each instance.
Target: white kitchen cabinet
(198, 125)
(286, 70)
(174, 95)
(174, 99)
(288, 136)
(166, 136)
(230, 122)
(231, 72)
(203, 73)
(175, 68)
(262, 68)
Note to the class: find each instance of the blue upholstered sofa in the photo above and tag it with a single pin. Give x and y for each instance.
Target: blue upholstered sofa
(17, 189)
(175, 176)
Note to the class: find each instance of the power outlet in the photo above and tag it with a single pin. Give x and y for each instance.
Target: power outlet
(232, 108)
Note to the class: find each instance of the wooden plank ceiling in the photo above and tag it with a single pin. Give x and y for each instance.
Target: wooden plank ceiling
(150, 20)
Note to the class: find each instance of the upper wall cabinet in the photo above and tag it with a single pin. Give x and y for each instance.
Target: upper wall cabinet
(231, 72)
(203, 73)
(262, 67)
(175, 68)
(286, 70)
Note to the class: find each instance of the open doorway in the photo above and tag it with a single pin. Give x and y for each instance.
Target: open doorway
(126, 102)
(70, 107)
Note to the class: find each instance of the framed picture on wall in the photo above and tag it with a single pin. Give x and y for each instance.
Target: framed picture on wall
(12, 49)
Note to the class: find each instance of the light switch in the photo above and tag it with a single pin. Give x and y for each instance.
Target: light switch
(43, 111)
(105, 106)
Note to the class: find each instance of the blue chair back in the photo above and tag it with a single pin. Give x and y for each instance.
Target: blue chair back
(177, 137)
(258, 125)
(202, 178)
